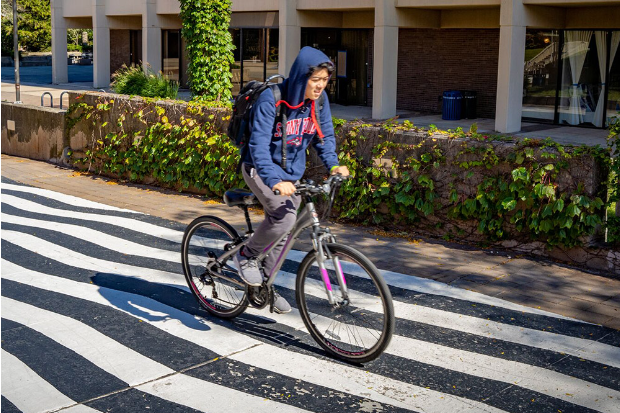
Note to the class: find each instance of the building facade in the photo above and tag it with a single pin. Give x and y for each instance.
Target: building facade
(553, 61)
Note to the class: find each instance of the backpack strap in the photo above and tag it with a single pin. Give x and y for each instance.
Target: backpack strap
(280, 117)
(317, 115)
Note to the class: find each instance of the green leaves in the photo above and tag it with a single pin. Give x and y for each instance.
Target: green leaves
(209, 46)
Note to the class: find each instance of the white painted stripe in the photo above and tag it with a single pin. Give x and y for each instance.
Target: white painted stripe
(28, 391)
(204, 396)
(424, 285)
(132, 367)
(66, 199)
(97, 237)
(408, 282)
(76, 259)
(80, 408)
(223, 341)
(548, 382)
(123, 222)
(587, 349)
(107, 354)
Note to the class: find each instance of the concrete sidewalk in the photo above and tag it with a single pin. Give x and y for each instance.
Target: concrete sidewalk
(535, 283)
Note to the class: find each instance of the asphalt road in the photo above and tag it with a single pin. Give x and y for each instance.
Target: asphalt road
(96, 316)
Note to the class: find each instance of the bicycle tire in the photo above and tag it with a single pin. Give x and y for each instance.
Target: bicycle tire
(366, 288)
(219, 297)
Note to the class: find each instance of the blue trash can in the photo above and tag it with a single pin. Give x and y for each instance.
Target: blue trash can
(451, 105)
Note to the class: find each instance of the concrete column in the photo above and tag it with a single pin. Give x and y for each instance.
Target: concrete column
(151, 37)
(60, 69)
(385, 66)
(509, 102)
(101, 46)
(290, 36)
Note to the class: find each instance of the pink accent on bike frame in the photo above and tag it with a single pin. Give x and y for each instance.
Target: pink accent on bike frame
(267, 247)
(281, 252)
(344, 280)
(326, 279)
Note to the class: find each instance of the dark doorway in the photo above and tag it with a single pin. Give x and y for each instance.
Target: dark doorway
(348, 49)
(171, 54)
(135, 47)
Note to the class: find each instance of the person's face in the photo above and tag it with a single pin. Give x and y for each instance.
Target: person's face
(316, 84)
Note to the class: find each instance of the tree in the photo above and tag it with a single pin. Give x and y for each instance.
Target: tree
(75, 38)
(34, 25)
(209, 46)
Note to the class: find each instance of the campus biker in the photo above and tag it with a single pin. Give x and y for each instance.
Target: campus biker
(262, 164)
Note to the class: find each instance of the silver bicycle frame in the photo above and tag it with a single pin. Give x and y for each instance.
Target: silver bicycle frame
(306, 218)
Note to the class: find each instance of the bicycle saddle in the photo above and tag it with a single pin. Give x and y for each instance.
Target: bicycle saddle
(239, 197)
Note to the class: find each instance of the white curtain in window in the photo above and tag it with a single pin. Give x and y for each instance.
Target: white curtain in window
(575, 49)
(601, 46)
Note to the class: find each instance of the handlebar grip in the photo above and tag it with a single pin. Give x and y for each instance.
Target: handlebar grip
(276, 192)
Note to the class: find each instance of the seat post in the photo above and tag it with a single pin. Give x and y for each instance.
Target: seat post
(247, 218)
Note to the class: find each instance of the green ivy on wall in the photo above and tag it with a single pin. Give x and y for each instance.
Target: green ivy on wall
(182, 154)
(461, 184)
(209, 47)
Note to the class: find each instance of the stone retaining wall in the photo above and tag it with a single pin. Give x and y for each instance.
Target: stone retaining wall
(34, 132)
(41, 133)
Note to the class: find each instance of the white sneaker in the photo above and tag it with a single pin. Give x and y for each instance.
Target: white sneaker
(248, 269)
(280, 305)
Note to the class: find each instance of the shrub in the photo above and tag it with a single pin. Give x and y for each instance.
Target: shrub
(134, 81)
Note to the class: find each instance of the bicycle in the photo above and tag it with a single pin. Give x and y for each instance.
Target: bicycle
(342, 298)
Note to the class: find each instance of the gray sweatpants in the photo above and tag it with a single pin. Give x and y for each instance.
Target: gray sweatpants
(280, 216)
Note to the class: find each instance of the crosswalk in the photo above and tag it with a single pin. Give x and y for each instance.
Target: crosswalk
(96, 316)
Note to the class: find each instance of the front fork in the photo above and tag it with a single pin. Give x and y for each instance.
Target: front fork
(320, 242)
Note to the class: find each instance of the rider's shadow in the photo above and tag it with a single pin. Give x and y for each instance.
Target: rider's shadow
(150, 301)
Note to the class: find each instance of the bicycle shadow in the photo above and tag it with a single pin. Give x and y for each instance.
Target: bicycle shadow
(160, 302)
(150, 301)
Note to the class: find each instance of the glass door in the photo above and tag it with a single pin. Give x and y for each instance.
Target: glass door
(540, 75)
(583, 60)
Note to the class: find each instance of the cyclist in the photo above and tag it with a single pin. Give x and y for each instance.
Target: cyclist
(262, 165)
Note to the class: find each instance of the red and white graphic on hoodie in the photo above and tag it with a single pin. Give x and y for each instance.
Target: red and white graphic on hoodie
(293, 127)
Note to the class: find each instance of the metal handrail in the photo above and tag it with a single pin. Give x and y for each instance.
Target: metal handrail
(61, 97)
(51, 99)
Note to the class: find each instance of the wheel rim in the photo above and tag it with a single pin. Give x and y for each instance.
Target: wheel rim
(357, 327)
(208, 240)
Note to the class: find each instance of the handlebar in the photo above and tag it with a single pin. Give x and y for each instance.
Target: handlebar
(310, 188)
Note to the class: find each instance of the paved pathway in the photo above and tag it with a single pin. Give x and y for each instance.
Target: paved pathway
(96, 316)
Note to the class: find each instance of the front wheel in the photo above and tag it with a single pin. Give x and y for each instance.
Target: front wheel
(358, 326)
(206, 238)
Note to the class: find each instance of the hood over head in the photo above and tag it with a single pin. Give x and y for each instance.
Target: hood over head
(300, 72)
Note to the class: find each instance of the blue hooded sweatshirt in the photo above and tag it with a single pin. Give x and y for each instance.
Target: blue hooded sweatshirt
(265, 144)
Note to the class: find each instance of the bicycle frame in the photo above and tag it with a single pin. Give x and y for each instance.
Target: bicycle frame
(306, 218)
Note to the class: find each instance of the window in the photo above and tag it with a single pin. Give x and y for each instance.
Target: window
(540, 74)
(255, 54)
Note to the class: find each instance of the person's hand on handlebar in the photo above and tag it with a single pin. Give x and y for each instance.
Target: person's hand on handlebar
(342, 170)
(284, 188)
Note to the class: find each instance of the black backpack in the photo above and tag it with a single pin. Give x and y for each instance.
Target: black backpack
(239, 126)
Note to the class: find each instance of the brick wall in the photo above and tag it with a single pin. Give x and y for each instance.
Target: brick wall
(119, 49)
(433, 60)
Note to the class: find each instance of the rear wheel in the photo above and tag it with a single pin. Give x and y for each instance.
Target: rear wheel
(358, 326)
(205, 239)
